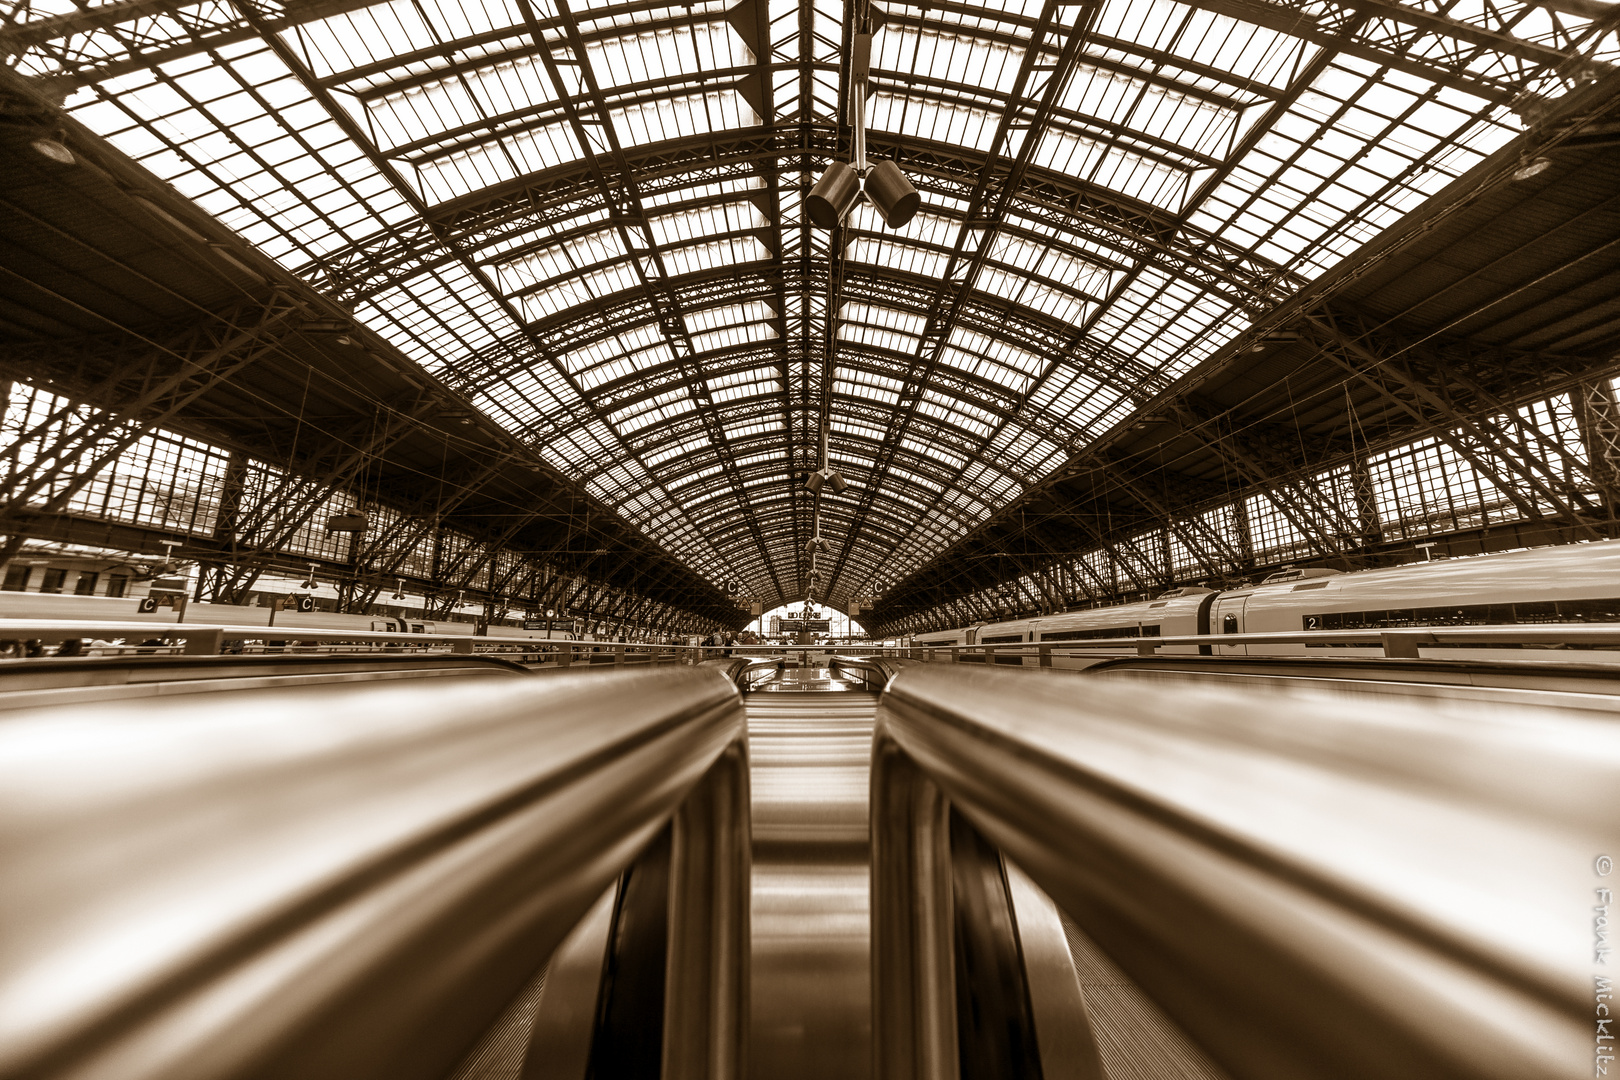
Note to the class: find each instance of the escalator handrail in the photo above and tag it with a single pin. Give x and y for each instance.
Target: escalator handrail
(1310, 890)
(343, 881)
(743, 670)
(874, 671)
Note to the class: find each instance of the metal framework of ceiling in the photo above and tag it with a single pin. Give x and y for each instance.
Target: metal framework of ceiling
(587, 218)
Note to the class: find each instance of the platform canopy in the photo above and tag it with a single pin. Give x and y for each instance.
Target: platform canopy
(588, 218)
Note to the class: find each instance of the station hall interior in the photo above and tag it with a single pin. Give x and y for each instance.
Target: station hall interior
(934, 540)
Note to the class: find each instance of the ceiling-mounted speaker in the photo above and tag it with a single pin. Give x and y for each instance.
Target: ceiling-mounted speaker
(892, 193)
(833, 195)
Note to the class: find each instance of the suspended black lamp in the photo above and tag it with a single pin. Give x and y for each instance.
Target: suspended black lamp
(891, 192)
(815, 480)
(834, 195)
(839, 188)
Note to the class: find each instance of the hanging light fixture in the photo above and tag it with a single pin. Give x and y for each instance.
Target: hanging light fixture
(892, 194)
(310, 582)
(834, 195)
(55, 149)
(1531, 167)
(399, 589)
(840, 187)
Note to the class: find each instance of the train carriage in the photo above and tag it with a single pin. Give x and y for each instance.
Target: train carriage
(1573, 583)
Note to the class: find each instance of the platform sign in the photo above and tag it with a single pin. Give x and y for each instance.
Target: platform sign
(806, 626)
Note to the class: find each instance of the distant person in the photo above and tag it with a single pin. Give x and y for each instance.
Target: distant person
(71, 647)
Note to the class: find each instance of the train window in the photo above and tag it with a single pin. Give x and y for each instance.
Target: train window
(1001, 639)
(1107, 632)
(116, 585)
(52, 582)
(1229, 623)
(86, 585)
(1538, 611)
(17, 578)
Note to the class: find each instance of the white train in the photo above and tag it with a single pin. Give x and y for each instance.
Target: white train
(1573, 583)
(33, 605)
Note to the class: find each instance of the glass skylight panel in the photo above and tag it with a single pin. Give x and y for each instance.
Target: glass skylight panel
(1110, 165)
(739, 391)
(1250, 53)
(762, 426)
(727, 251)
(580, 289)
(688, 225)
(904, 344)
(683, 117)
(246, 166)
(1019, 288)
(1055, 266)
(679, 192)
(893, 255)
(693, 477)
(905, 322)
(844, 426)
(922, 118)
(680, 449)
(1026, 452)
(1117, 100)
(924, 227)
(953, 417)
(548, 264)
(664, 53)
(711, 318)
(613, 346)
(738, 378)
(960, 59)
(492, 246)
(984, 369)
(983, 477)
(930, 452)
(1325, 177)
(423, 111)
(924, 482)
(1080, 401)
(865, 392)
(733, 335)
(437, 317)
(463, 171)
(655, 355)
(578, 451)
(382, 31)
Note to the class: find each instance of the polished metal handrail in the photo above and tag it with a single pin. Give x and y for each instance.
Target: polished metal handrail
(352, 881)
(874, 672)
(1310, 888)
(745, 671)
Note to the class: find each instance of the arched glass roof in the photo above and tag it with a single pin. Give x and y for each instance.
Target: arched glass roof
(588, 217)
